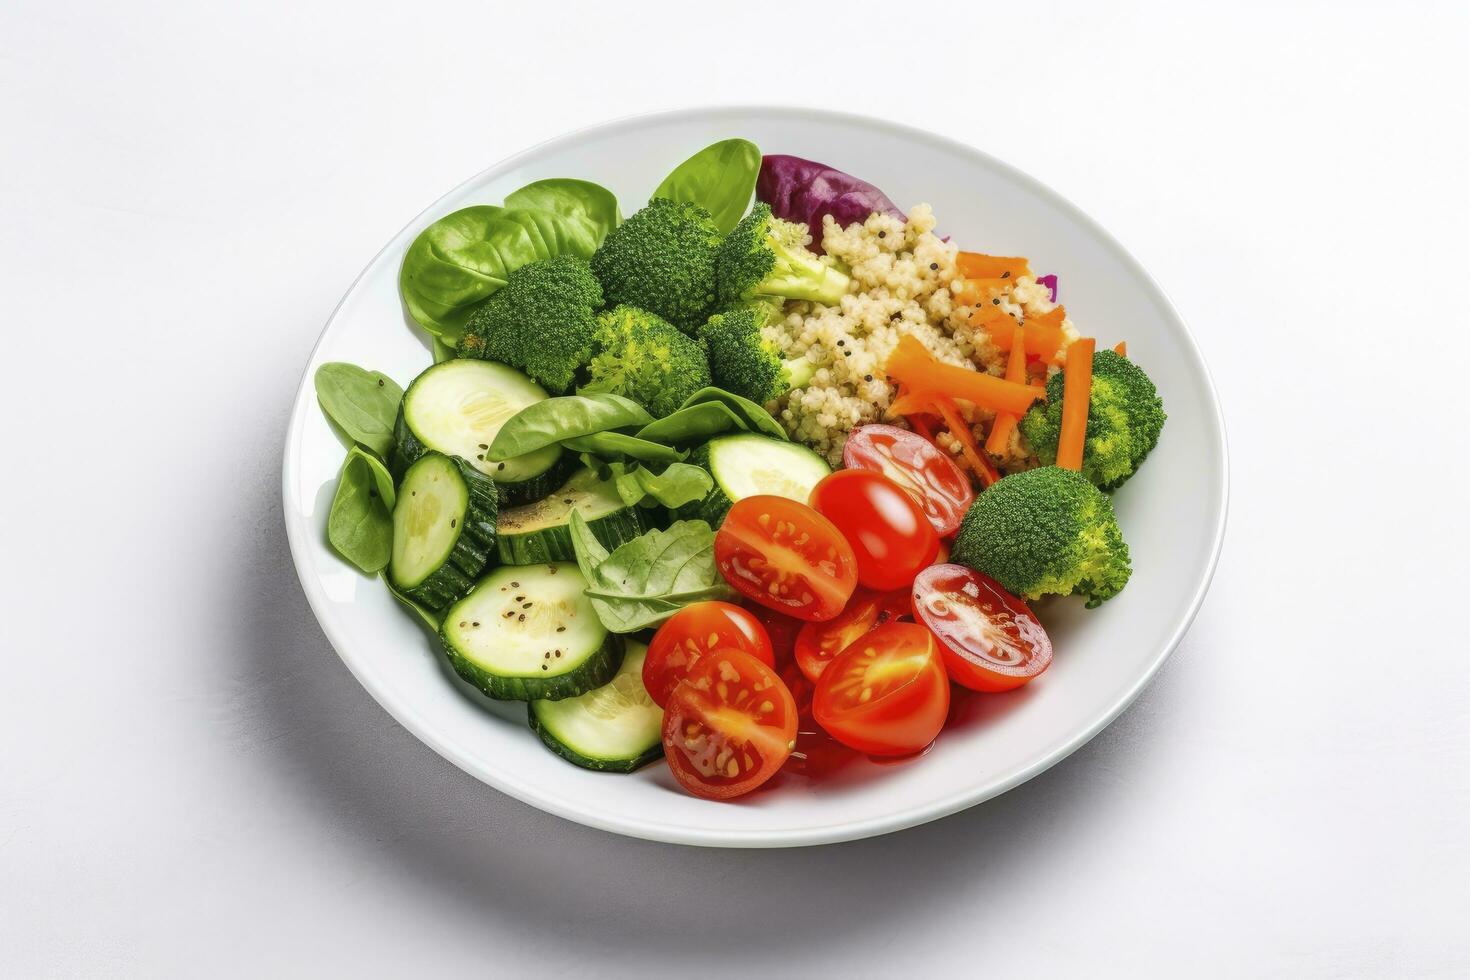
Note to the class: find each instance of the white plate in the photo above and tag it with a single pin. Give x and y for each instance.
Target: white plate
(1173, 512)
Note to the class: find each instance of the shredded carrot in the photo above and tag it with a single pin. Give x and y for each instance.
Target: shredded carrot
(1005, 422)
(973, 265)
(1076, 400)
(1043, 336)
(925, 375)
(957, 428)
(916, 420)
(1121, 348)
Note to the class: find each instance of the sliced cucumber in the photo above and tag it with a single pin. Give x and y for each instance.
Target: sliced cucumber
(528, 632)
(748, 464)
(540, 532)
(613, 728)
(443, 529)
(457, 407)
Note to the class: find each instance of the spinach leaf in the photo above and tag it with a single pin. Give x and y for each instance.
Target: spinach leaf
(677, 485)
(646, 580)
(427, 616)
(756, 418)
(694, 423)
(360, 522)
(442, 351)
(457, 262)
(362, 403)
(616, 446)
(554, 420)
(580, 202)
(719, 178)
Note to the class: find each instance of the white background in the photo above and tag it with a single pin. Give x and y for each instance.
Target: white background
(191, 783)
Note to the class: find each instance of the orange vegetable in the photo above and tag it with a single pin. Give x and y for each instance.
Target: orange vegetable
(1076, 399)
(912, 365)
(1121, 348)
(916, 421)
(973, 265)
(957, 428)
(1043, 336)
(1005, 422)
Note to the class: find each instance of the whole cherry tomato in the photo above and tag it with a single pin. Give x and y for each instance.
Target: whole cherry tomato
(890, 536)
(931, 478)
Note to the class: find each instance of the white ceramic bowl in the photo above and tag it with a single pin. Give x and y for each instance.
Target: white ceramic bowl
(1173, 512)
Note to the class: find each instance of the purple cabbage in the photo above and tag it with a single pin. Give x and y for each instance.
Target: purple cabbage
(1050, 282)
(805, 191)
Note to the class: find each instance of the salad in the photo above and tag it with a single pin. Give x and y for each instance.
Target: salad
(756, 475)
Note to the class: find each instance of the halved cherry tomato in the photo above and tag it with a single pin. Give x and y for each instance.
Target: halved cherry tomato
(941, 557)
(818, 643)
(991, 640)
(780, 628)
(887, 693)
(694, 631)
(888, 532)
(930, 478)
(782, 554)
(728, 726)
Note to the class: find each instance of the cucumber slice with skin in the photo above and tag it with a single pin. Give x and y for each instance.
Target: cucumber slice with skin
(747, 464)
(457, 407)
(541, 532)
(613, 728)
(443, 529)
(528, 632)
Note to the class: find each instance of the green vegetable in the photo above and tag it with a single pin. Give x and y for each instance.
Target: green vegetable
(647, 580)
(710, 412)
(1045, 531)
(677, 485)
(662, 259)
(1124, 418)
(766, 257)
(442, 351)
(617, 446)
(613, 728)
(542, 321)
(459, 261)
(644, 357)
(747, 464)
(425, 615)
(540, 532)
(744, 361)
(588, 206)
(554, 420)
(719, 178)
(362, 403)
(360, 521)
(443, 529)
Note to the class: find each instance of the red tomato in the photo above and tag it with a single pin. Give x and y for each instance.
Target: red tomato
(887, 530)
(991, 640)
(694, 631)
(930, 478)
(941, 556)
(781, 629)
(782, 554)
(887, 693)
(818, 643)
(728, 726)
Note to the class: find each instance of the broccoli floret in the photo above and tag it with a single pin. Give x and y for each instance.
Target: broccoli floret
(540, 321)
(662, 259)
(746, 363)
(1124, 418)
(1043, 532)
(642, 356)
(763, 256)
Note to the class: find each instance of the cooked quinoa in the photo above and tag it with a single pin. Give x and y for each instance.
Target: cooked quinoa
(903, 282)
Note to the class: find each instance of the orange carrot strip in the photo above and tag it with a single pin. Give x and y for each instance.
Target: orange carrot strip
(1005, 422)
(1044, 337)
(957, 428)
(911, 364)
(1121, 348)
(973, 265)
(916, 420)
(1076, 400)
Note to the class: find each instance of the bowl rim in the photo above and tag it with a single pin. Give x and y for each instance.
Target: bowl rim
(298, 533)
